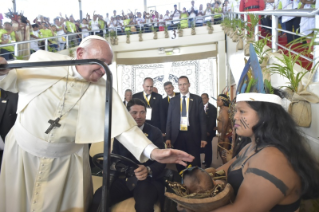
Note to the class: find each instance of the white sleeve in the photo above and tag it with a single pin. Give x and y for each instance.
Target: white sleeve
(148, 150)
(3, 76)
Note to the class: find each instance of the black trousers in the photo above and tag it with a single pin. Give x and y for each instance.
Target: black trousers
(144, 193)
(1, 153)
(208, 152)
(186, 143)
(295, 22)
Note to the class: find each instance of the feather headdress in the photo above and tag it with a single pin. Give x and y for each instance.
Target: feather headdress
(251, 86)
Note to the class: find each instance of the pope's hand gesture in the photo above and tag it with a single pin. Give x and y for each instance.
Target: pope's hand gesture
(3, 71)
(171, 156)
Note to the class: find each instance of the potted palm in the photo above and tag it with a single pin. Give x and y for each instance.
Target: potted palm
(210, 27)
(128, 33)
(180, 30)
(193, 28)
(300, 97)
(240, 35)
(261, 50)
(250, 27)
(140, 33)
(166, 31)
(154, 30)
(112, 37)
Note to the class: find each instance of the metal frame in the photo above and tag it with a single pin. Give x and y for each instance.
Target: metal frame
(108, 112)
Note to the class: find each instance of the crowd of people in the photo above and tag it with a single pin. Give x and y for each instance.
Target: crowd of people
(22, 29)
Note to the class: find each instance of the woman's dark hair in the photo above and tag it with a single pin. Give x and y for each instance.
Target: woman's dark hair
(277, 128)
(239, 144)
(225, 103)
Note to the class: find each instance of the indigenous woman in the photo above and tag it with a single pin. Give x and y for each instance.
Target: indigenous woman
(224, 125)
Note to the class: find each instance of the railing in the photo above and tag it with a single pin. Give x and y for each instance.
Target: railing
(69, 39)
(274, 29)
(72, 40)
(147, 27)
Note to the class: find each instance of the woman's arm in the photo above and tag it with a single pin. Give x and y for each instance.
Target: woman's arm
(269, 180)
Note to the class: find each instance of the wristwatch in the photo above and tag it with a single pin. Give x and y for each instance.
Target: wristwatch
(149, 171)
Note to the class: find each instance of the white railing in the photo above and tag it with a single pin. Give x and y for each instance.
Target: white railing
(69, 38)
(275, 14)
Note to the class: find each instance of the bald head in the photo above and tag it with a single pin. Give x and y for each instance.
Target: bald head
(93, 48)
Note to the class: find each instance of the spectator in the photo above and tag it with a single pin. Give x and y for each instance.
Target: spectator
(176, 15)
(140, 21)
(208, 13)
(217, 9)
(95, 25)
(126, 22)
(155, 20)
(200, 18)
(54, 41)
(161, 23)
(7, 35)
(226, 7)
(60, 28)
(307, 24)
(101, 25)
(120, 24)
(167, 20)
(291, 21)
(192, 11)
(148, 23)
(85, 28)
(34, 46)
(107, 19)
(184, 23)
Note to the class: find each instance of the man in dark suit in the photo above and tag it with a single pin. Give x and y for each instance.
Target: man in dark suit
(211, 116)
(149, 184)
(153, 103)
(8, 115)
(169, 89)
(186, 123)
(127, 96)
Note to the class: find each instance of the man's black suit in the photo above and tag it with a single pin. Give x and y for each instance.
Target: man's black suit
(165, 104)
(158, 119)
(146, 192)
(188, 141)
(8, 114)
(211, 116)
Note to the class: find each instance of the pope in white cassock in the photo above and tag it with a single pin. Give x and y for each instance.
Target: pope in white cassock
(48, 169)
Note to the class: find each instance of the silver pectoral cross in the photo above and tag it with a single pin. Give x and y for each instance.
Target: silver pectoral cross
(54, 123)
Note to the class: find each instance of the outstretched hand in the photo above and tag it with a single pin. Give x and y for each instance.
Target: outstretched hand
(171, 156)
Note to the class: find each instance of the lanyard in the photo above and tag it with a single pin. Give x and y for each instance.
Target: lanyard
(187, 104)
(148, 102)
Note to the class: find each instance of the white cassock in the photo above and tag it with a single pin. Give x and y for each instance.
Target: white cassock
(51, 172)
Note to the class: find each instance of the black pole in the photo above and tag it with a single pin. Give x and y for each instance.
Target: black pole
(108, 112)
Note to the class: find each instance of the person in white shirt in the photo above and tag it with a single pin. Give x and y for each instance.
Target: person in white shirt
(107, 19)
(200, 16)
(167, 19)
(148, 24)
(192, 11)
(140, 21)
(208, 13)
(176, 15)
(60, 30)
(290, 21)
(307, 24)
(85, 28)
(226, 7)
(34, 46)
(161, 23)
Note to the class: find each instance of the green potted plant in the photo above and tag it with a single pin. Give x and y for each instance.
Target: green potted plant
(140, 33)
(250, 36)
(128, 33)
(112, 37)
(240, 34)
(210, 27)
(261, 50)
(180, 30)
(193, 28)
(166, 31)
(300, 97)
(154, 30)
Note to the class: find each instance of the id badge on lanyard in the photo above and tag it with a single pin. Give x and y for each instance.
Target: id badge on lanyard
(148, 113)
(184, 124)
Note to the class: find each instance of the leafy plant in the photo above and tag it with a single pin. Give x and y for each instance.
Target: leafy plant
(259, 48)
(269, 89)
(209, 24)
(19, 57)
(179, 27)
(107, 35)
(154, 29)
(128, 33)
(192, 25)
(287, 70)
(165, 28)
(112, 34)
(250, 26)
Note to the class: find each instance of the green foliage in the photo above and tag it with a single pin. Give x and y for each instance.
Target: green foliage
(269, 89)
(112, 34)
(254, 19)
(154, 29)
(193, 25)
(287, 70)
(165, 28)
(179, 27)
(226, 22)
(128, 33)
(107, 35)
(19, 57)
(259, 48)
(251, 83)
(209, 24)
